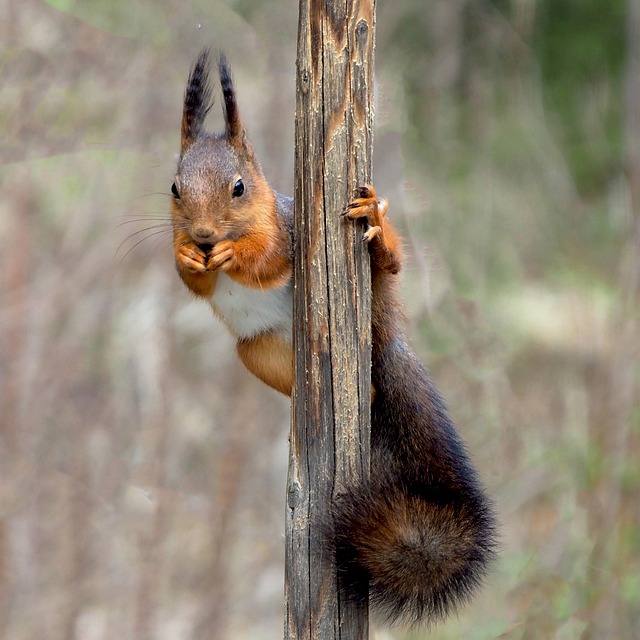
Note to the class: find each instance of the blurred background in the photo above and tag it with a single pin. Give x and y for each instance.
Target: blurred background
(142, 470)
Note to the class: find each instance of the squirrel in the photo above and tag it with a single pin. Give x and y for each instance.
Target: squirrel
(421, 531)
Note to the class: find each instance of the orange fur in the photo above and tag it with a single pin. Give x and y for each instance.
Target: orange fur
(190, 262)
(244, 241)
(256, 258)
(383, 240)
(270, 358)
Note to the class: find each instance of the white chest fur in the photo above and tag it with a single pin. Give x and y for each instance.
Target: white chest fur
(248, 311)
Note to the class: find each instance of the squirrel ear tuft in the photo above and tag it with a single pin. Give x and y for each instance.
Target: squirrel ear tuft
(198, 100)
(234, 130)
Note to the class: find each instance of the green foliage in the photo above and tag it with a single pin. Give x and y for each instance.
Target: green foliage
(580, 46)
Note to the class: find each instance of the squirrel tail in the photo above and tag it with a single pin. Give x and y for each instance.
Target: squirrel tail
(421, 557)
(421, 532)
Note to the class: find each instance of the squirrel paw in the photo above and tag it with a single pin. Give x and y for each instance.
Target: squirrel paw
(367, 205)
(222, 256)
(192, 257)
(371, 233)
(379, 234)
(364, 206)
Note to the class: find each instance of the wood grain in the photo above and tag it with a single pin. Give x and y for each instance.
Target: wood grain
(329, 442)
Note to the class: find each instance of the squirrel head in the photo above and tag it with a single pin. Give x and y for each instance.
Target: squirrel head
(219, 182)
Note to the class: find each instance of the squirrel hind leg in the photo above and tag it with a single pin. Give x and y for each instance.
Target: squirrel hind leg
(422, 558)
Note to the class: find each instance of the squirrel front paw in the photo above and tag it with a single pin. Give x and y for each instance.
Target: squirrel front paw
(222, 256)
(192, 257)
(203, 258)
(367, 205)
(379, 234)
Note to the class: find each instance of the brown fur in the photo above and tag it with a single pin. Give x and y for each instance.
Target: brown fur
(419, 536)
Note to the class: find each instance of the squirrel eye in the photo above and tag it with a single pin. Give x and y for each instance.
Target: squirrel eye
(174, 191)
(238, 189)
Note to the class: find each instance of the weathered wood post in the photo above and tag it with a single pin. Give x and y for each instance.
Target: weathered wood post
(329, 442)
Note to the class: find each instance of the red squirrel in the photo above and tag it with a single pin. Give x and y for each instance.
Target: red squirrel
(421, 532)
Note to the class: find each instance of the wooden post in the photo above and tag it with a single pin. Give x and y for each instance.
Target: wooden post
(329, 443)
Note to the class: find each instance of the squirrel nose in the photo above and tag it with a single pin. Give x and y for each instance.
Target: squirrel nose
(202, 233)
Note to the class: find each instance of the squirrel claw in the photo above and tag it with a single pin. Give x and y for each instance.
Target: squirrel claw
(371, 233)
(191, 257)
(349, 211)
(222, 256)
(364, 205)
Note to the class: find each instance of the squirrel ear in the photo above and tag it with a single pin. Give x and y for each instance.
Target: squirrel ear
(198, 100)
(235, 132)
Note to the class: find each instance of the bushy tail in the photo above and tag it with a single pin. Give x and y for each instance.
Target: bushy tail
(422, 531)
(421, 556)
